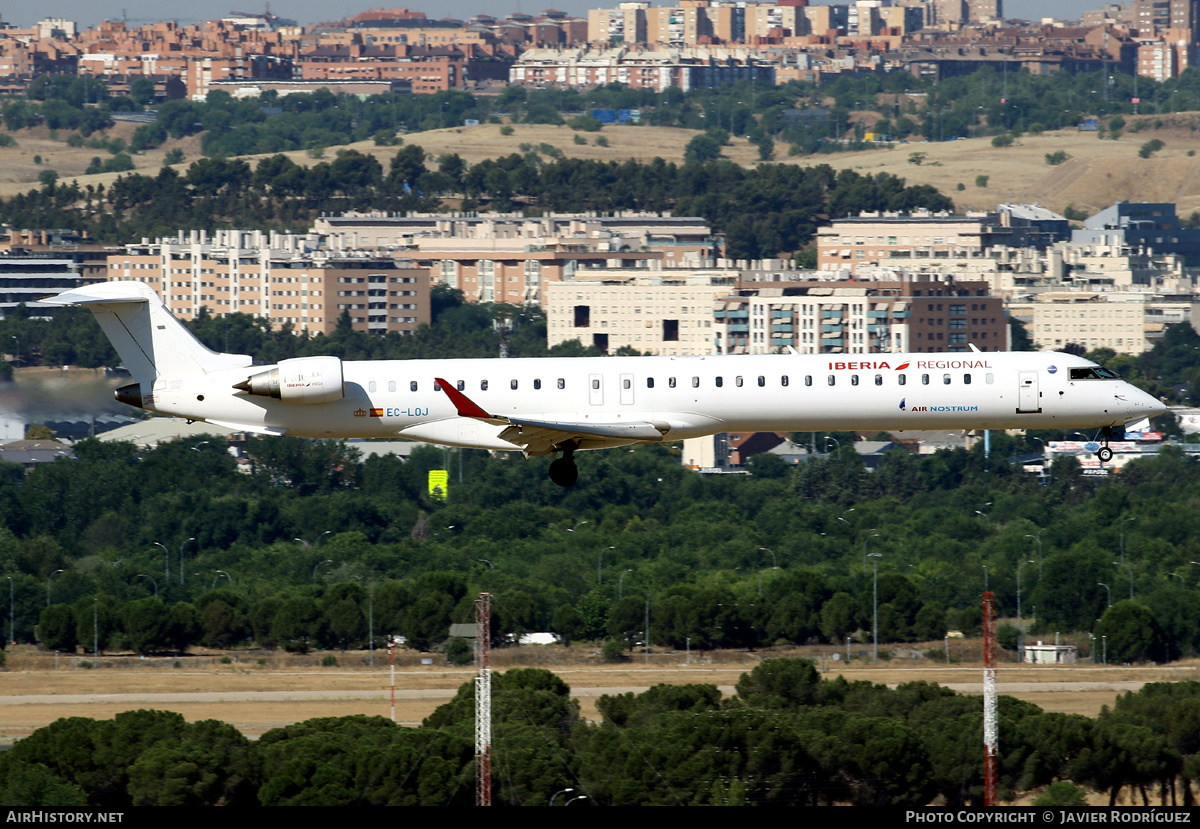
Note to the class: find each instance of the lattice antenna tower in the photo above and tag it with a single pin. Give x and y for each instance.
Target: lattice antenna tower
(991, 747)
(483, 700)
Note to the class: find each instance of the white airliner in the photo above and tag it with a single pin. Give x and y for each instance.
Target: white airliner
(563, 405)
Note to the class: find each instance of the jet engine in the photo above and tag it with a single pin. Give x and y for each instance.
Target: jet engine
(300, 380)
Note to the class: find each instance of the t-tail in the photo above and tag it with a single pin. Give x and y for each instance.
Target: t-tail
(151, 342)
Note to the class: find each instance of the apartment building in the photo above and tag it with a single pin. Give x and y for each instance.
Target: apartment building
(872, 239)
(915, 313)
(668, 313)
(26, 279)
(659, 68)
(287, 279)
(498, 257)
(1126, 322)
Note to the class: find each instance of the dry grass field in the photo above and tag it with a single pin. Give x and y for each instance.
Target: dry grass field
(256, 696)
(1098, 172)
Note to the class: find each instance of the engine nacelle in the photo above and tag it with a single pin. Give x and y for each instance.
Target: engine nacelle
(300, 380)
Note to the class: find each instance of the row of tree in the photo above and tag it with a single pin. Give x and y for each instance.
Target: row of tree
(787, 737)
(777, 556)
(769, 211)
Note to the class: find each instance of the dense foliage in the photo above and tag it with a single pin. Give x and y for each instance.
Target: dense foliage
(786, 737)
(768, 211)
(308, 546)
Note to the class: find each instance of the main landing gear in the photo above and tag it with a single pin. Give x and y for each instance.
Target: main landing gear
(563, 470)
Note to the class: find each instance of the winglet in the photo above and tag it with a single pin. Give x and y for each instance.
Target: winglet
(466, 407)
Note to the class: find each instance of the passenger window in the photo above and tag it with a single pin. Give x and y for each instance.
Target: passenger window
(483, 385)
(671, 382)
(391, 385)
(808, 379)
(437, 386)
(371, 386)
(626, 383)
(988, 378)
(738, 382)
(720, 382)
(512, 384)
(412, 386)
(695, 382)
(902, 379)
(462, 385)
(924, 379)
(596, 383)
(783, 381)
(649, 382)
(966, 379)
(562, 384)
(945, 379)
(879, 379)
(854, 379)
(762, 381)
(832, 380)
(537, 384)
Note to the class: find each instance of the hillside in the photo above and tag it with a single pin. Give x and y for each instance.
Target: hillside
(1098, 172)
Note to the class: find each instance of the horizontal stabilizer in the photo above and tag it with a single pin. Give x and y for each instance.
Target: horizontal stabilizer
(151, 342)
(82, 296)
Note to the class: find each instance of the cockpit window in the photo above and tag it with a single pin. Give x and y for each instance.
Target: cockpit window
(1093, 373)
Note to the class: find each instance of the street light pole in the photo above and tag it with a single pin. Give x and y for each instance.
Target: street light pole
(1130, 569)
(166, 562)
(181, 546)
(52, 575)
(875, 607)
(600, 567)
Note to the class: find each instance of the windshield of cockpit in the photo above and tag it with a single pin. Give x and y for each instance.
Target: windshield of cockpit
(1093, 373)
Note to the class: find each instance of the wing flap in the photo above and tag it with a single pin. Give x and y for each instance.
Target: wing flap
(254, 430)
(541, 436)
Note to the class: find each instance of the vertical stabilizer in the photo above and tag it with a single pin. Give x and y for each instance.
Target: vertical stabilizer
(152, 343)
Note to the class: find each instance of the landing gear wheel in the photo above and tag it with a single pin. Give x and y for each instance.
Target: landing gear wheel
(1104, 454)
(564, 472)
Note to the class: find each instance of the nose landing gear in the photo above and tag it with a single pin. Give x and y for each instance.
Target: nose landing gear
(1104, 453)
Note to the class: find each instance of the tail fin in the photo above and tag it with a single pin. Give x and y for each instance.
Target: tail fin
(149, 340)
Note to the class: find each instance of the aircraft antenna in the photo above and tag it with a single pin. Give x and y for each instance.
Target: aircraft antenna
(483, 700)
(990, 741)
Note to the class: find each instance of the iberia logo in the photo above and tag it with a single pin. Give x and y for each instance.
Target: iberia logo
(376, 412)
(360, 412)
(901, 367)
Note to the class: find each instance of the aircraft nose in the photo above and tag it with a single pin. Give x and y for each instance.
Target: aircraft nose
(1144, 405)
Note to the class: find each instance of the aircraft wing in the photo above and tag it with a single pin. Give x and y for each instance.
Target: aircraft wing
(539, 437)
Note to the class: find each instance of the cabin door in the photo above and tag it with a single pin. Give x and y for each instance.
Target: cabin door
(1028, 400)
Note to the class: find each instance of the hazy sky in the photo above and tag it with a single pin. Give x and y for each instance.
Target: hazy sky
(90, 12)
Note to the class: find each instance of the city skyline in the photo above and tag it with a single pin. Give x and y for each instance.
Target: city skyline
(88, 13)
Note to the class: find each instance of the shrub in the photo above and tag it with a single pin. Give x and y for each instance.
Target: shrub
(1150, 148)
(1056, 158)
(1005, 140)
(981, 181)
(506, 129)
(613, 651)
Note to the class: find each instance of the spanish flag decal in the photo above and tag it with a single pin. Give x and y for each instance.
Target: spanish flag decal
(376, 412)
